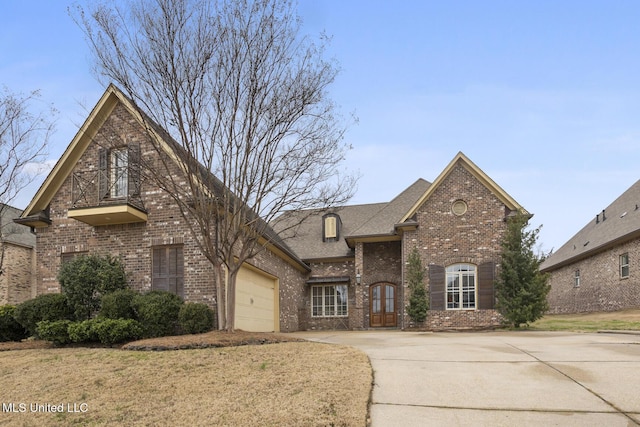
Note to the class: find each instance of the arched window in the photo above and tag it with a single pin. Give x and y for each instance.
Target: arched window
(461, 287)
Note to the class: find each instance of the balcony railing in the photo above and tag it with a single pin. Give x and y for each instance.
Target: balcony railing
(106, 188)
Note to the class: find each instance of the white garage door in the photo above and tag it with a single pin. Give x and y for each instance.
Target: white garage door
(256, 301)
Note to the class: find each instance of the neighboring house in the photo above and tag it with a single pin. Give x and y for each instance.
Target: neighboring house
(598, 269)
(343, 269)
(17, 258)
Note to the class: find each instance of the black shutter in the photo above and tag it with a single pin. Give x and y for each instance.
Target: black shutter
(437, 287)
(486, 277)
(134, 170)
(103, 180)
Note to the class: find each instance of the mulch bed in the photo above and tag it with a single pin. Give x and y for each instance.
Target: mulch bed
(179, 342)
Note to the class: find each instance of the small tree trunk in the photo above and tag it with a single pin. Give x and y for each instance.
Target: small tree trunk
(220, 297)
(231, 300)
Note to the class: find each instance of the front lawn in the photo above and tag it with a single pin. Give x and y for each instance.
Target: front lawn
(289, 383)
(589, 322)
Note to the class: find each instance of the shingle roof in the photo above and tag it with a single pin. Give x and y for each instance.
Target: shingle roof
(383, 222)
(357, 220)
(12, 232)
(620, 221)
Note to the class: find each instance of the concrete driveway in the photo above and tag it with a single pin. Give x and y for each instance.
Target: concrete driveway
(499, 378)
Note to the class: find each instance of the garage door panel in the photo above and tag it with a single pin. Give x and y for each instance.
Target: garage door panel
(255, 301)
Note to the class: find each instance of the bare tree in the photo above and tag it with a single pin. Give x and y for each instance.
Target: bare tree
(245, 97)
(24, 135)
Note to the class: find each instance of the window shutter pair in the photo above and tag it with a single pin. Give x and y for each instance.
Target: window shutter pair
(133, 172)
(486, 277)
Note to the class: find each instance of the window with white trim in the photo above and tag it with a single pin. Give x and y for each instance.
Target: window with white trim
(624, 265)
(329, 301)
(461, 287)
(576, 279)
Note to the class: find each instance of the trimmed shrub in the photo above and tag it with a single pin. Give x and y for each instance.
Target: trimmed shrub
(49, 307)
(195, 318)
(112, 331)
(86, 278)
(10, 328)
(80, 332)
(56, 331)
(157, 311)
(118, 304)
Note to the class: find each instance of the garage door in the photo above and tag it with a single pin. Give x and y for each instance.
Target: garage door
(256, 302)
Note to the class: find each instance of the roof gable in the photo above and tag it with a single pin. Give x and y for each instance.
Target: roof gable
(617, 223)
(85, 135)
(478, 173)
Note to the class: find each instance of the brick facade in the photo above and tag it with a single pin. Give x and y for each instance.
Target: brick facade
(444, 238)
(17, 279)
(134, 242)
(601, 286)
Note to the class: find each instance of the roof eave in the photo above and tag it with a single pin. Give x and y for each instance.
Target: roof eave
(593, 251)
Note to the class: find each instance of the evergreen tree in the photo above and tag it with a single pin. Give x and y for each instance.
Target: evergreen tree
(521, 290)
(418, 302)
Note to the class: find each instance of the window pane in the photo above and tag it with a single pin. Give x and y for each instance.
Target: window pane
(316, 302)
(390, 300)
(341, 308)
(119, 172)
(375, 300)
(461, 286)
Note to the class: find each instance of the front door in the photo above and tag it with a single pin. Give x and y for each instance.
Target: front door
(382, 301)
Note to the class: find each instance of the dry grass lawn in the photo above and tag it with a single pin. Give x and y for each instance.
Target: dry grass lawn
(289, 383)
(590, 322)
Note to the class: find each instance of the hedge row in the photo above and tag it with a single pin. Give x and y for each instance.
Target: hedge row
(124, 315)
(105, 331)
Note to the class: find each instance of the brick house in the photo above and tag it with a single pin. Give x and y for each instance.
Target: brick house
(598, 269)
(95, 200)
(341, 269)
(357, 254)
(17, 258)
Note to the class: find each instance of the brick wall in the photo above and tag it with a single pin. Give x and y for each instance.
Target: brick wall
(601, 287)
(443, 238)
(382, 262)
(340, 268)
(16, 282)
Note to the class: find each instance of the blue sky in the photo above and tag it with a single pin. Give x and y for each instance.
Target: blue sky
(544, 96)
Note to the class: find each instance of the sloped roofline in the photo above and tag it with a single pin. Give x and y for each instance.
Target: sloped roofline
(478, 174)
(73, 152)
(63, 167)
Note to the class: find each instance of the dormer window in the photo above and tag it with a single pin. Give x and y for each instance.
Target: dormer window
(331, 227)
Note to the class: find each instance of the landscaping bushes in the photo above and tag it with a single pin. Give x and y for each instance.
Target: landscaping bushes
(10, 328)
(56, 331)
(87, 278)
(195, 318)
(49, 307)
(124, 315)
(118, 304)
(105, 331)
(157, 311)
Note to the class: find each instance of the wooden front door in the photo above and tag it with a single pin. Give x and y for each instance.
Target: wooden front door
(382, 305)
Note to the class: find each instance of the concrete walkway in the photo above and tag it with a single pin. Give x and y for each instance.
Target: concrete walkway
(499, 378)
